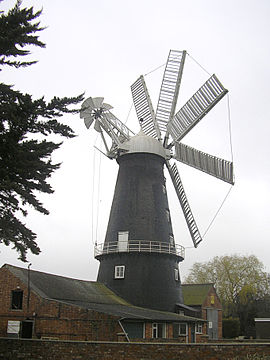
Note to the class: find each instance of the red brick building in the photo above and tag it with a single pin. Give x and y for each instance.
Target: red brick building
(204, 298)
(34, 304)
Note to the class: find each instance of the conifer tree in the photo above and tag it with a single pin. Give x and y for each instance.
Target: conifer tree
(25, 158)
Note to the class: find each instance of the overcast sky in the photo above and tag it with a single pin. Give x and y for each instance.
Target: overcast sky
(100, 48)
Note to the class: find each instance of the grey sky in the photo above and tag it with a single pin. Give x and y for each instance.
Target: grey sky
(101, 47)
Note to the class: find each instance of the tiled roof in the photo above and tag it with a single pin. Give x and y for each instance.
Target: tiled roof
(66, 289)
(195, 294)
(90, 295)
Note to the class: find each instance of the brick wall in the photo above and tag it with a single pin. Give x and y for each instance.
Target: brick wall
(212, 301)
(208, 301)
(61, 321)
(11, 349)
(54, 319)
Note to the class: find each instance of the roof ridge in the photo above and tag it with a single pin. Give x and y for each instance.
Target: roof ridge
(46, 273)
(52, 281)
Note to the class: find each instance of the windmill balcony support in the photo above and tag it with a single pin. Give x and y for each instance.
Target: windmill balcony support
(143, 246)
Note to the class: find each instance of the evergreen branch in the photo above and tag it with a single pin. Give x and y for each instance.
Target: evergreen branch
(13, 231)
(16, 32)
(25, 161)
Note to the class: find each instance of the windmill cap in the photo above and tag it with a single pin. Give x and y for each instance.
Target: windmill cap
(142, 143)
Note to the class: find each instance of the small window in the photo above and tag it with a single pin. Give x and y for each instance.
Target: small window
(119, 272)
(159, 330)
(134, 330)
(183, 329)
(16, 299)
(199, 328)
(176, 275)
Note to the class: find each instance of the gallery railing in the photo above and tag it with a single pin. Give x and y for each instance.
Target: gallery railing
(143, 246)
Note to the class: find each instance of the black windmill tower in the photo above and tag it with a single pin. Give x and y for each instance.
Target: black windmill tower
(139, 257)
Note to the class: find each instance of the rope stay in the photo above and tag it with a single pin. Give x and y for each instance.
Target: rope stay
(230, 139)
(98, 196)
(192, 58)
(97, 208)
(92, 195)
(95, 222)
(155, 69)
(231, 150)
(230, 125)
(164, 64)
(128, 115)
(217, 212)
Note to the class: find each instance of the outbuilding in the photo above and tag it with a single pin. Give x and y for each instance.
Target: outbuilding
(204, 299)
(40, 305)
(262, 326)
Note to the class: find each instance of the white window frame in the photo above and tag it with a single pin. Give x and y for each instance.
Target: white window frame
(119, 272)
(180, 333)
(155, 331)
(199, 328)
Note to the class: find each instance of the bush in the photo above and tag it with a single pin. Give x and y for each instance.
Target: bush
(230, 328)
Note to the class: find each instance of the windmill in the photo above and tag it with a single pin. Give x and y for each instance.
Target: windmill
(139, 257)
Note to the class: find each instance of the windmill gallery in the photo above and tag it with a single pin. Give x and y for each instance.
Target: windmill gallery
(138, 293)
